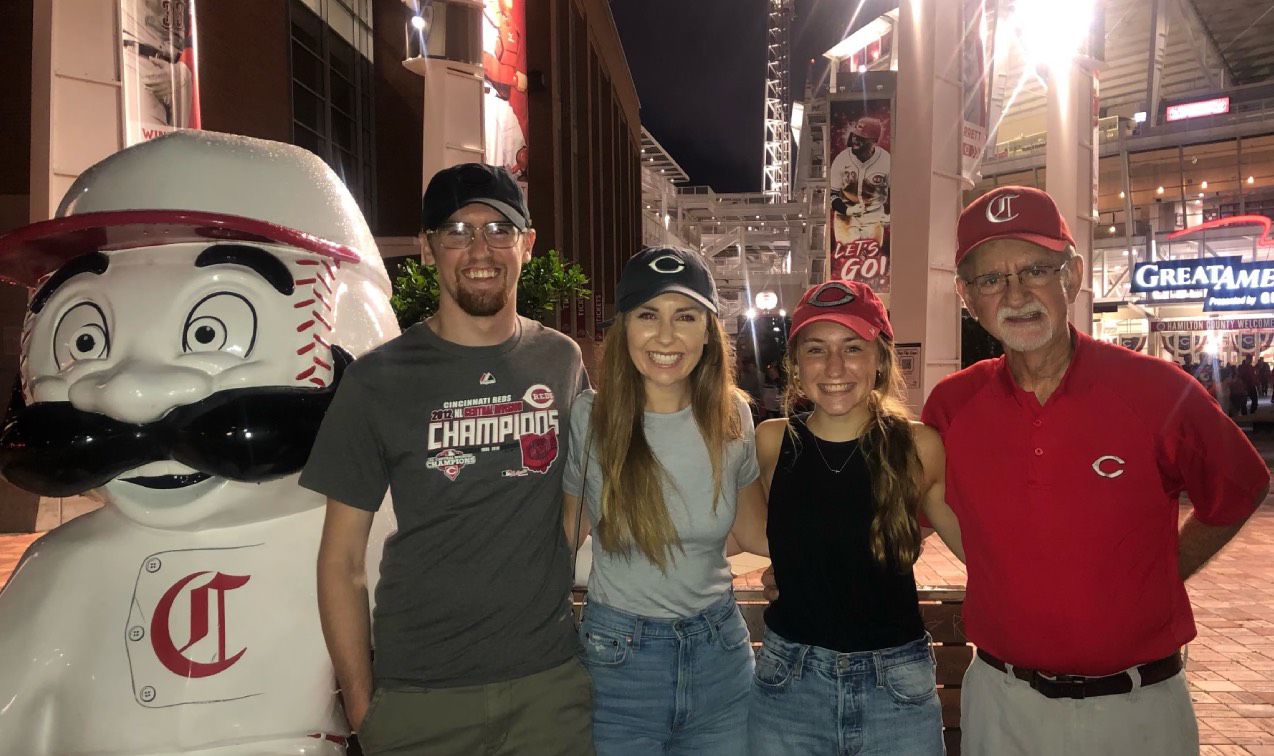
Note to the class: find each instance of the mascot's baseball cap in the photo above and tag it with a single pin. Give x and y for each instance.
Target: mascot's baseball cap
(196, 186)
(1012, 212)
(657, 270)
(849, 303)
(868, 128)
(452, 188)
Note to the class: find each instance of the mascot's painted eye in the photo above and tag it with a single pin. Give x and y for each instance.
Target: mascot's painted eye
(221, 322)
(81, 335)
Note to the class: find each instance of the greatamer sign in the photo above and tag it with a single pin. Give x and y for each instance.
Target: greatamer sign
(1228, 283)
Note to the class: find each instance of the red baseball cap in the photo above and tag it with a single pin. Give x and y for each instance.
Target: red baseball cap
(1012, 212)
(850, 303)
(868, 128)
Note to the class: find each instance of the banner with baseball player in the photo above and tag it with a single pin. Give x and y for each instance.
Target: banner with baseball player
(858, 194)
(504, 107)
(161, 89)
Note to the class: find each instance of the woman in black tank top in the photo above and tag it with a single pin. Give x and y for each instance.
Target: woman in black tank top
(846, 666)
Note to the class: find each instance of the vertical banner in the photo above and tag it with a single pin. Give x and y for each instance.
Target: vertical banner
(976, 50)
(581, 317)
(858, 194)
(599, 316)
(161, 88)
(505, 104)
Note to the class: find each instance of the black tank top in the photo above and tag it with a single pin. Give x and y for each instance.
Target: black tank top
(832, 592)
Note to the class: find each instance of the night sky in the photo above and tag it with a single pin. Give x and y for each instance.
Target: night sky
(699, 66)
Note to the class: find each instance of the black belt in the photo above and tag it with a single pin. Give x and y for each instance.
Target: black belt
(1078, 686)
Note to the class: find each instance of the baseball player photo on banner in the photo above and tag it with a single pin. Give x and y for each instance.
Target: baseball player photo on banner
(859, 191)
(161, 90)
(505, 103)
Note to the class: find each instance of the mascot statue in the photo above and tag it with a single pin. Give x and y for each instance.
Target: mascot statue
(193, 305)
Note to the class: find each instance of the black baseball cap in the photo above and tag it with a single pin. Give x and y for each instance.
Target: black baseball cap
(657, 270)
(452, 188)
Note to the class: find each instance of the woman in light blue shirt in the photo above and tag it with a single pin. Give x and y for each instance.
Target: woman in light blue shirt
(663, 454)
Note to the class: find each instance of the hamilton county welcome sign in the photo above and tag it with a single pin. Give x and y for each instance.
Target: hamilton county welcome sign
(1228, 283)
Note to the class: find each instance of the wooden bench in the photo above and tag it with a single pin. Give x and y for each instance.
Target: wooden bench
(940, 608)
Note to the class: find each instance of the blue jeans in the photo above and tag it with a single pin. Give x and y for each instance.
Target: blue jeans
(664, 686)
(812, 701)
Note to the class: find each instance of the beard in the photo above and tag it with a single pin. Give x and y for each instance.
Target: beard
(480, 304)
(1026, 337)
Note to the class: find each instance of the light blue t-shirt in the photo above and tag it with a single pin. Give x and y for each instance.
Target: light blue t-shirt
(699, 576)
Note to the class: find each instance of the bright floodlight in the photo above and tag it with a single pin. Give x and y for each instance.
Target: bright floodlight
(751, 313)
(1050, 32)
(417, 23)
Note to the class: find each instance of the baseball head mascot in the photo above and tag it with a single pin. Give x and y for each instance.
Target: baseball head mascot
(193, 305)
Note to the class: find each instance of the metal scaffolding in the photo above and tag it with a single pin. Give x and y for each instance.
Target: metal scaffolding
(776, 166)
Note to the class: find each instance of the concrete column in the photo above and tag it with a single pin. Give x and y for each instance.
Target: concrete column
(76, 97)
(1070, 161)
(926, 189)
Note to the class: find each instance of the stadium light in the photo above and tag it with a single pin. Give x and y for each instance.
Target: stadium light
(1051, 33)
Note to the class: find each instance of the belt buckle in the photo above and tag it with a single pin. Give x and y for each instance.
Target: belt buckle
(1070, 686)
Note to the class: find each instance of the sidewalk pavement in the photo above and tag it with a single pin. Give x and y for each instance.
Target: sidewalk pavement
(1231, 663)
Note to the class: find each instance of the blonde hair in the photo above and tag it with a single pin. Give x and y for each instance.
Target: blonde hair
(888, 444)
(633, 510)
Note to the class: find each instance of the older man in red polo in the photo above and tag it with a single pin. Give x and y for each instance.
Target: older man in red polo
(1066, 461)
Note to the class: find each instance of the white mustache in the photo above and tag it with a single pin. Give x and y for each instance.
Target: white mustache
(1030, 308)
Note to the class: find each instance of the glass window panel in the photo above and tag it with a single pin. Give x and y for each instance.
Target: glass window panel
(348, 169)
(341, 21)
(343, 131)
(307, 109)
(342, 94)
(303, 137)
(306, 68)
(307, 27)
(1258, 164)
(342, 57)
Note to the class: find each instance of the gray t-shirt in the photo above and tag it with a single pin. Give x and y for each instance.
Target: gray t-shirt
(699, 576)
(474, 586)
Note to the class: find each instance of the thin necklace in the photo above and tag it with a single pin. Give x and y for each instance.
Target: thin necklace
(818, 446)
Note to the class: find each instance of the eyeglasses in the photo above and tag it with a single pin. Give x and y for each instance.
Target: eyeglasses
(1032, 277)
(459, 235)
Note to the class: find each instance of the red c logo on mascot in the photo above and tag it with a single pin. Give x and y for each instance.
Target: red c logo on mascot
(161, 639)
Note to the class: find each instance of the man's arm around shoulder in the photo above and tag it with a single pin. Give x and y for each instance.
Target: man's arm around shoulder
(343, 604)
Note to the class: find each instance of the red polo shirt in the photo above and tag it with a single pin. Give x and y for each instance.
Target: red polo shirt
(1068, 511)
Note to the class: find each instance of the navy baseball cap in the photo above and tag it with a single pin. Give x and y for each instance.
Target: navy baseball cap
(452, 188)
(658, 270)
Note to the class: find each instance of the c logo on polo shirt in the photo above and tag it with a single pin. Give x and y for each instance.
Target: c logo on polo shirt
(1108, 466)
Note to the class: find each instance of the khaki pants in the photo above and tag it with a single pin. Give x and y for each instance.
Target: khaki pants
(1001, 715)
(548, 713)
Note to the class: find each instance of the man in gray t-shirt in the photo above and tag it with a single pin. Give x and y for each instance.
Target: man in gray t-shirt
(464, 420)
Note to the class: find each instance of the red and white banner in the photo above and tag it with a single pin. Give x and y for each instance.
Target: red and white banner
(1220, 324)
(161, 85)
(858, 193)
(504, 65)
(977, 50)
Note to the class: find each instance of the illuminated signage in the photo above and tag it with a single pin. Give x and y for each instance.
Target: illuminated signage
(1264, 240)
(1227, 283)
(1215, 106)
(1193, 325)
